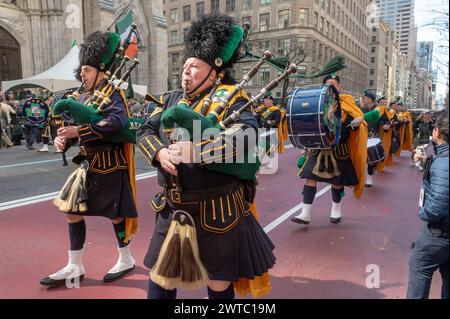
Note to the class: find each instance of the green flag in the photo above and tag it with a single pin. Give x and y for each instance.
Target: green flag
(129, 94)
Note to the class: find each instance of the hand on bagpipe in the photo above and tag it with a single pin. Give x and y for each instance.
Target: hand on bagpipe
(182, 116)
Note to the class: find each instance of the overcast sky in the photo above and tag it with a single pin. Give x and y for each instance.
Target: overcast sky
(423, 16)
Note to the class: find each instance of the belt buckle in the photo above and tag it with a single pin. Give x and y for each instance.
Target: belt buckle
(83, 150)
(175, 196)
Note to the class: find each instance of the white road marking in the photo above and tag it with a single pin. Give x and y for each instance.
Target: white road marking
(291, 212)
(50, 196)
(33, 163)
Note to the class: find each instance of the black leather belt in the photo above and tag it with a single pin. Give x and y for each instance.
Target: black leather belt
(189, 197)
(89, 150)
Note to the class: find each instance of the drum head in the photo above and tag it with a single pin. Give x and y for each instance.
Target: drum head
(373, 141)
(332, 115)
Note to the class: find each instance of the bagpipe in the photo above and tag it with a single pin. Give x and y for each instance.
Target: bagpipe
(93, 110)
(181, 116)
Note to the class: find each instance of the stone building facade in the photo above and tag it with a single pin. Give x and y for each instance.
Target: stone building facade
(35, 35)
(321, 28)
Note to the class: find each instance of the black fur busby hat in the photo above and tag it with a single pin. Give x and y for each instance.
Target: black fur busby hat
(98, 50)
(215, 39)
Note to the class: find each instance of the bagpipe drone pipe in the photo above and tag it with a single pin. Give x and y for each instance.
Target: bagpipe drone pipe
(93, 110)
(181, 116)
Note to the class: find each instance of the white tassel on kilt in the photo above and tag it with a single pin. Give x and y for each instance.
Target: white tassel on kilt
(73, 195)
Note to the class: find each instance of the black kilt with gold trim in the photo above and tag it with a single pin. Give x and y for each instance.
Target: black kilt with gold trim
(108, 185)
(347, 175)
(232, 244)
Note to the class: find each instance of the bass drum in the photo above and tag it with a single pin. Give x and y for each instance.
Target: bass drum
(314, 117)
(36, 112)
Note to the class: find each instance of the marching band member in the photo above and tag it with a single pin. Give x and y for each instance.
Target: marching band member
(422, 130)
(108, 167)
(385, 133)
(232, 246)
(375, 117)
(343, 166)
(273, 117)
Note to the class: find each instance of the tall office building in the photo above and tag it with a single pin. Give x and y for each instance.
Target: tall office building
(321, 29)
(425, 55)
(399, 14)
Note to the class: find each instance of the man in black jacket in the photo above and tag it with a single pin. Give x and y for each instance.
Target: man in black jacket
(430, 250)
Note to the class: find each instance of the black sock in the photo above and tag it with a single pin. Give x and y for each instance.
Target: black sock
(120, 233)
(226, 294)
(370, 170)
(309, 193)
(155, 291)
(77, 235)
(337, 194)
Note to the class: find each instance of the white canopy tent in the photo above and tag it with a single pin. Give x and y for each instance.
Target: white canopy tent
(60, 77)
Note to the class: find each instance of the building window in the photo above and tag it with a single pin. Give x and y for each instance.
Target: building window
(373, 49)
(200, 9)
(175, 81)
(264, 2)
(247, 4)
(302, 44)
(175, 61)
(372, 60)
(314, 49)
(174, 37)
(372, 71)
(284, 46)
(283, 19)
(303, 17)
(187, 13)
(244, 73)
(371, 83)
(264, 75)
(249, 46)
(264, 22)
(230, 6)
(264, 46)
(215, 6)
(320, 52)
(174, 15)
(248, 20)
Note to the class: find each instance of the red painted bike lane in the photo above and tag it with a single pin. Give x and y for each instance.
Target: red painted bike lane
(319, 261)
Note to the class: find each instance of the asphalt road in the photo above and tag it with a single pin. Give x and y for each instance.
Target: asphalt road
(25, 173)
(320, 261)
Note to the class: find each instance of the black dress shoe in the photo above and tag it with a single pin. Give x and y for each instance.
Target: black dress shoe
(299, 221)
(368, 186)
(335, 220)
(52, 283)
(117, 275)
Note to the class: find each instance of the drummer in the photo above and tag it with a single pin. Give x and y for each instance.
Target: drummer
(374, 116)
(272, 118)
(345, 165)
